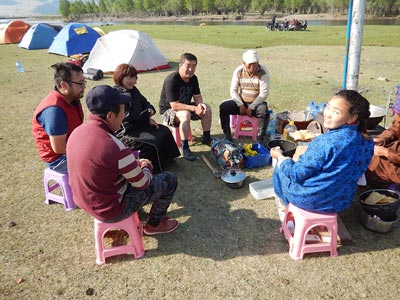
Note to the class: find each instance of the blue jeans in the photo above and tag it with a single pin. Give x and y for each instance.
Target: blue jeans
(59, 165)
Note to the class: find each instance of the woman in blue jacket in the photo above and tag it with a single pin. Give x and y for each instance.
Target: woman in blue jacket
(324, 179)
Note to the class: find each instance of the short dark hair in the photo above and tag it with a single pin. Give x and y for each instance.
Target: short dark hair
(187, 56)
(63, 72)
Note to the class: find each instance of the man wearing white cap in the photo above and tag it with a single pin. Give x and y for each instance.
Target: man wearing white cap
(249, 92)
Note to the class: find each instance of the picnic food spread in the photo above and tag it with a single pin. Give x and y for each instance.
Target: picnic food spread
(304, 135)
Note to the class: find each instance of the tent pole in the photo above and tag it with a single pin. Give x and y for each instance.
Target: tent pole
(355, 44)
(346, 57)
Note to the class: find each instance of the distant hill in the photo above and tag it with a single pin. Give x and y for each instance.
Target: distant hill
(24, 8)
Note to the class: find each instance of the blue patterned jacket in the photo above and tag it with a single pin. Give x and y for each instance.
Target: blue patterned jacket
(324, 179)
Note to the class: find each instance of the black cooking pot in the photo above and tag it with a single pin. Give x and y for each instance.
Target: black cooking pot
(288, 147)
(386, 212)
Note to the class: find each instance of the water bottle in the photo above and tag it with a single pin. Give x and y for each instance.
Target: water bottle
(309, 111)
(271, 124)
(315, 110)
(20, 68)
(322, 107)
(290, 127)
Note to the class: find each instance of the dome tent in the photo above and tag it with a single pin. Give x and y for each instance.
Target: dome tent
(13, 31)
(74, 38)
(125, 46)
(39, 36)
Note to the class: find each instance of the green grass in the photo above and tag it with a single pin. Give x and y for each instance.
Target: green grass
(243, 37)
(228, 245)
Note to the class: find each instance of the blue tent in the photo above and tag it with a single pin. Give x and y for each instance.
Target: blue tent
(74, 38)
(39, 36)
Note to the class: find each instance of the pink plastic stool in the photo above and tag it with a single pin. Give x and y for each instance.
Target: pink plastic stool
(53, 180)
(236, 123)
(304, 221)
(177, 136)
(131, 226)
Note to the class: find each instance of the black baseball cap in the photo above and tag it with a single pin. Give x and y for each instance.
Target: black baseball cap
(102, 98)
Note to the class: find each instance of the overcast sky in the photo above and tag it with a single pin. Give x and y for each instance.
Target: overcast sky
(26, 8)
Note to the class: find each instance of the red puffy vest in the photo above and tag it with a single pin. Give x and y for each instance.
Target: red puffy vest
(74, 119)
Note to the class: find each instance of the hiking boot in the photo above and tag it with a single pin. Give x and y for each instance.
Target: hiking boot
(188, 155)
(166, 225)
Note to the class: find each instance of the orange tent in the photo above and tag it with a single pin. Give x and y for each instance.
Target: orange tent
(13, 31)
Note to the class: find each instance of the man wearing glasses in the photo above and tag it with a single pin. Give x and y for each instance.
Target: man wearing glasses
(58, 115)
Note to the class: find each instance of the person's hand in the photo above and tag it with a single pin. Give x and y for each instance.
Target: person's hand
(201, 109)
(381, 151)
(249, 112)
(379, 141)
(151, 111)
(153, 123)
(276, 152)
(242, 110)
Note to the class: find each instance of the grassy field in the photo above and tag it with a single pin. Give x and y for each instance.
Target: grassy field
(228, 245)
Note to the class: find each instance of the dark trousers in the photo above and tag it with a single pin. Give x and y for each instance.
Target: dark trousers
(159, 192)
(230, 107)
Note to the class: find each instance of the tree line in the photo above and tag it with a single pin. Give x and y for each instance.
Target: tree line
(125, 8)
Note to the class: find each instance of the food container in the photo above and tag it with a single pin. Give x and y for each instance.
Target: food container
(262, 189)
(288, 147)
(386, 212)
(299, 118)
(261, 159)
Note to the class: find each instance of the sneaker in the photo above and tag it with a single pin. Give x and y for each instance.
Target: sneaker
(188, 155)
(166, 225)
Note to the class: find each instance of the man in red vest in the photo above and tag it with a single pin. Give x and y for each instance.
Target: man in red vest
(58, 115)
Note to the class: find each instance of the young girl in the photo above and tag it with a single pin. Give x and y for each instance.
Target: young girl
(324, 179)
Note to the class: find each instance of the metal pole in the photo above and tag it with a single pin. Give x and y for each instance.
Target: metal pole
(355, 44)
(346, 57)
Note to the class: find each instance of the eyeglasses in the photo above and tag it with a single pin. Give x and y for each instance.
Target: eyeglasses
(78, 83)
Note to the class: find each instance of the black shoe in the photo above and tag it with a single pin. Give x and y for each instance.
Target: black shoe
(188, 155)
(207, 141)
(228, 137)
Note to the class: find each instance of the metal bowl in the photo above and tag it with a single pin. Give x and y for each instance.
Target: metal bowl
(375, 224)
(377, 115)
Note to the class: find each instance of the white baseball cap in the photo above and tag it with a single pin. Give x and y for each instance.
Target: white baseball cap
(250, 57)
